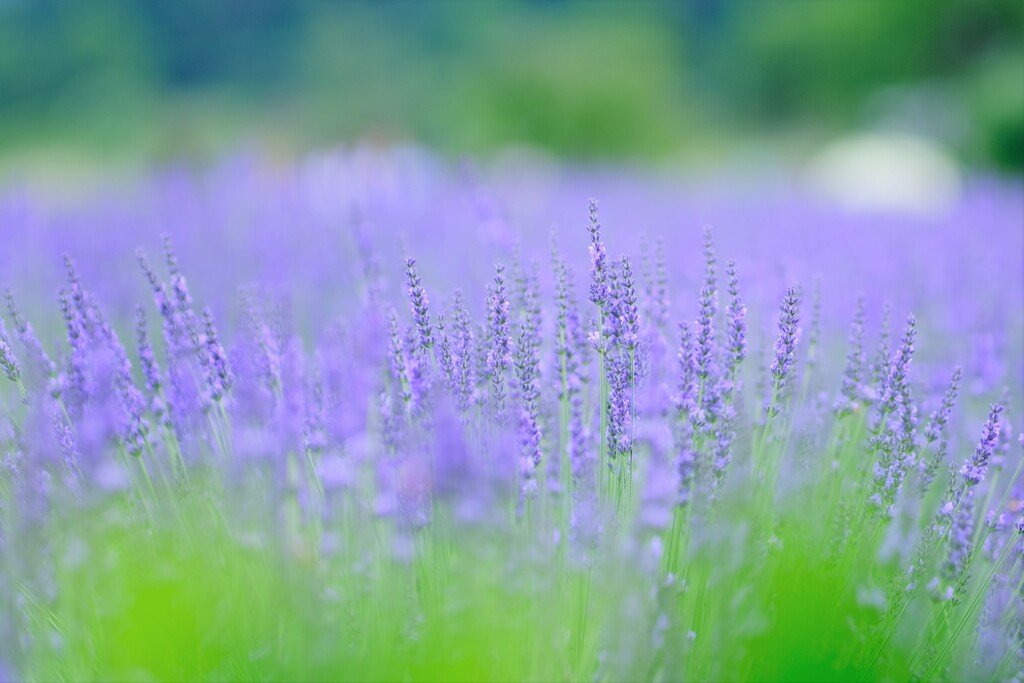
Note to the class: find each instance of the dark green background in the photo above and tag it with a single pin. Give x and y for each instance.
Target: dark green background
(691, 80)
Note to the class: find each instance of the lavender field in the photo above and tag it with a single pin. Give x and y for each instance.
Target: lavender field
(372, 416)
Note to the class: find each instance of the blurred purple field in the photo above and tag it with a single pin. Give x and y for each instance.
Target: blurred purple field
(407, 391)
(308, 234)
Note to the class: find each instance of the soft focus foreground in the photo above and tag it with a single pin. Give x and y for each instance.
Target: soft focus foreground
(279, 442)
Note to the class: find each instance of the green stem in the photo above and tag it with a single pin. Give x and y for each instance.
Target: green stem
(969, 612)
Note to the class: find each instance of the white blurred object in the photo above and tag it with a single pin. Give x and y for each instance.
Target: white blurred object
(886, 172)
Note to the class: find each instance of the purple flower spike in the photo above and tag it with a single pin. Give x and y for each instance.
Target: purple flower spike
(896, 385)
(881, 364)
(686, 389)
(178, 285)
(661, 300)
(526, 372)
(938, 419)
(785, 345)
(8, 362)
(396, 358)
(446, 358)
(218, 378)
(853, 376)
(974, 469)
(78, 382)
(737, 324)
(499, 356)
(619, 408)
(626, 303)
(705, 347)
(599, 292)
(39, 361)
(464, 369)
(150, 368)
(418, 305)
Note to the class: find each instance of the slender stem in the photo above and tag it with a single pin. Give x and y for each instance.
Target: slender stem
(969, 612)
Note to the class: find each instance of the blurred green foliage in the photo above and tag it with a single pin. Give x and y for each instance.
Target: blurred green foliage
(167, 78)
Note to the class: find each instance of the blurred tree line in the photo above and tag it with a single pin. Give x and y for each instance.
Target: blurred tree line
(584, 79)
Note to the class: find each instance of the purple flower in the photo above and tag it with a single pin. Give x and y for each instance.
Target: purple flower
(686, 468)
(722, 450)
(707, 308)
(65, 438)
(895, 388)
(814, 332)
(599, 292)
(881, 363)
(563, 304)
(894, 438)
(79, 383)
(619, 408)
(418, 305)
(661, 300)
(182, 298)
(974, 469)
(464, 371)
(499, 355)
(626, 307)
(686, 385)
(150, 368)
(218, 372)
(417, 370)
(931, 466)
(160, 297)
(960, 549)
(577, 437)
(397, 360)
(80, 299)
(736, 332)
(705, 349)
(938, 419)
(39, 360)
(8, 362)
(528, 302)
(785, 345)
(609, 337)
(526, 372)
(268, 356)
(446, 358)
(853, 375)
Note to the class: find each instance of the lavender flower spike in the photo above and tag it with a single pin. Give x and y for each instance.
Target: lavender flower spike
(150, 368)
(974, 469)
(419, 303)
(464, 370)
(500, 353)
(785, 345)
(526, 377)
(661, 300)
(8, 362)
(937, 420)
(737, 324)
(39, 360)
(709, 259)
(705, 348)
(853, 375)
(598, 260)
(447, 359)
(629, 320)
(619, 410)
(896, 387)
(218, 376)
(685, 396)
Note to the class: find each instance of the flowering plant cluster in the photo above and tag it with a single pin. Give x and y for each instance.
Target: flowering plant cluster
(461, 452)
